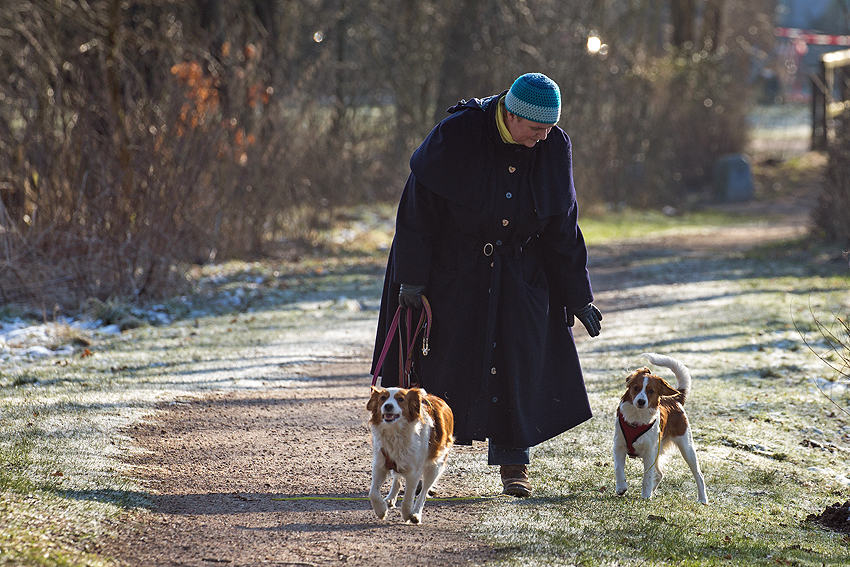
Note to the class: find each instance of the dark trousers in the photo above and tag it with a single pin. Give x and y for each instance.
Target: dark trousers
(504, 455)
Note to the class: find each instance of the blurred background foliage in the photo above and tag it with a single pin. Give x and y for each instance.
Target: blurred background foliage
(137, 136)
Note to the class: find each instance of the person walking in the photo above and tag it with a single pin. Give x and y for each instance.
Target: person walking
(487, 229)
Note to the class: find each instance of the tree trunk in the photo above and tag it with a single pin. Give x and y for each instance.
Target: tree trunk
(712, 24)
(455, 81)
(682, 16)
(119, 133)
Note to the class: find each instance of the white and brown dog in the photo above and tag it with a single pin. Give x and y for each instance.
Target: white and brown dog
(651, 418)
(411, 438)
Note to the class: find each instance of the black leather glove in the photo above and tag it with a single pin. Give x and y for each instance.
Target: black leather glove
(410, 296)
(590, 317)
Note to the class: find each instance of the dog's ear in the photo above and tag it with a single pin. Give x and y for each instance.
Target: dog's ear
(374, 399)
(413, 401)
(665, 389)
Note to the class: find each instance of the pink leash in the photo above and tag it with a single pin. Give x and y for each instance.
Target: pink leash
(405, 363)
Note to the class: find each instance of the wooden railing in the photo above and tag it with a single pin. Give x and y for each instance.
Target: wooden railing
(830, 96)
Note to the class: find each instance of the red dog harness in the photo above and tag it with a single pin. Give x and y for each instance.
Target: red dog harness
(631, 432)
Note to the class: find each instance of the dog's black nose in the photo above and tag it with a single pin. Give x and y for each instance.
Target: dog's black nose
(640, 403)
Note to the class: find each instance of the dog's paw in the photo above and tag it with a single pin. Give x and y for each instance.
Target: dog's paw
(622, 488)
(415, 519)
(380, 508)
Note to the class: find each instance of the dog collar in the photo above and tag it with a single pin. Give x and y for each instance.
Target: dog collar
(632, 432)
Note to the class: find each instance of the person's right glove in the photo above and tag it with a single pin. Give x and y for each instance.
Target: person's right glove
(590, 317)
(410, 296)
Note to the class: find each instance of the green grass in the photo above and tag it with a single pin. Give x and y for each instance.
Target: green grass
(755, 412)
(756, 513)
(15, 457)
(612, 226)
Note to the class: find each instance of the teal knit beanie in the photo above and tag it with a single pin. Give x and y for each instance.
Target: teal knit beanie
(535, 97)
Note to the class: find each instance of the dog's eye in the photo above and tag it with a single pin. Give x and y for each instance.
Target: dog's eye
(650, 391)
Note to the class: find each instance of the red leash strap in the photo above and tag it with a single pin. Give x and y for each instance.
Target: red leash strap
(387, 341)
(405, 361)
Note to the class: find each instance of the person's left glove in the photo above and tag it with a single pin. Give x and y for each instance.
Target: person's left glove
(410, 296)
(590, 317)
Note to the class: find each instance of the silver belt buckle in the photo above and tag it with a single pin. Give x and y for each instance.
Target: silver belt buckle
(488, 249)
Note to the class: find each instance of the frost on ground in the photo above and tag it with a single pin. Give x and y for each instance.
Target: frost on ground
(73, 393)
(196, 429)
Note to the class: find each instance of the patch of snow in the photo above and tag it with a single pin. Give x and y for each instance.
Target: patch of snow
(109, 330)
(38, 351)
(827, 472)
(830, 388)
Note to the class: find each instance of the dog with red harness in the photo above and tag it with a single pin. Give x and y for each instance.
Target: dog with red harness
(650, 420)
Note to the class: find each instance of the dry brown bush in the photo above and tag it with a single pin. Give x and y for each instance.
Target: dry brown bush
(653, 129)
(129, 147)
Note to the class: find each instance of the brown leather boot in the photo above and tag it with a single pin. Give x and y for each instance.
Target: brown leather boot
(515, 480)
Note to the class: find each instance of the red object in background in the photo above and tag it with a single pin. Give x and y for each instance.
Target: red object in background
(812, 38)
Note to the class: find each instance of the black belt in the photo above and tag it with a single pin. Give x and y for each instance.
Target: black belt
(502, 249)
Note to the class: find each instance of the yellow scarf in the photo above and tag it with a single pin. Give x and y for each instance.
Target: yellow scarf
(500, 123)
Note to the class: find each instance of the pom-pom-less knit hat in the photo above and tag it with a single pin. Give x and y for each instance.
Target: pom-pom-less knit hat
(535, 97)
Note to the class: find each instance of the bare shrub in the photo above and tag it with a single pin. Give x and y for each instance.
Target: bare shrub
(650, 130)
(836, 336)
(103, 200)
(128, 149)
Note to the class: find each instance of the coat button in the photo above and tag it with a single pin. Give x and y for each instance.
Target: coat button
(493, 370)
(509, 195)
(511, 169)
(495, 399)
(505, 222)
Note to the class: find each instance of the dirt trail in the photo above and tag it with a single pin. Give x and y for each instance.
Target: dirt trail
(218, 466)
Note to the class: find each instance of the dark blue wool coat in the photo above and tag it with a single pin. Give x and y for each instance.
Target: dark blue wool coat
(491, 229)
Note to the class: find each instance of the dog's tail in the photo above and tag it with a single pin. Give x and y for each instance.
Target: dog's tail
(683, 377)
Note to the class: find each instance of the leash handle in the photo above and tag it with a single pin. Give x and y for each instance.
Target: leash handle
(426, 311)
(406, 361)
(424, 324)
